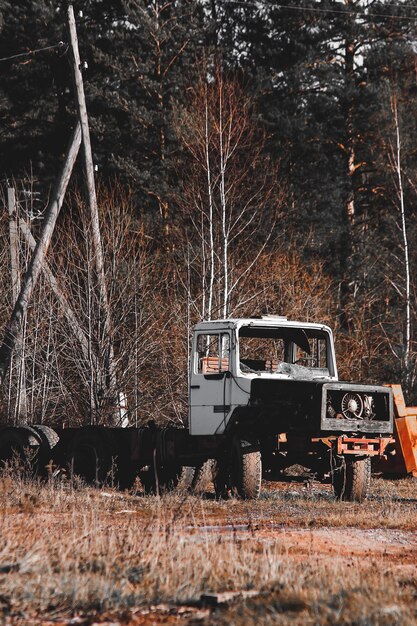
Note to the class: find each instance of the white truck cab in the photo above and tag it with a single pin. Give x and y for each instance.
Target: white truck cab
(227, 355)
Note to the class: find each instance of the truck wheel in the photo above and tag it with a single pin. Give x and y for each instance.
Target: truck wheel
(166, 480)
(168, 477)
(49, 439)
(186, 478)
(48, 436)
(197, 480)
(246, 471)
(89, 456)
(221, 478)
(20, 444)
(351, 479)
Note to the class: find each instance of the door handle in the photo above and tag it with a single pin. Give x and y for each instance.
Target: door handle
(194, 386)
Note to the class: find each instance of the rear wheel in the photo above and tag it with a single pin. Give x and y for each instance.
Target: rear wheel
(238, 473)
(221, 478)
(202, 477)
(49, 440)
(351, 479)
(19, 446)
(160, 481)
(186, 479)
(246, 471)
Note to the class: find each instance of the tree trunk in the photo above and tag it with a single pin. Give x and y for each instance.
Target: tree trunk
(407, 342)
(19, 361)
(346, 248)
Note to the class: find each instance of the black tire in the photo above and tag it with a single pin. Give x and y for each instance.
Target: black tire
(351, 479)
(246, 471)
(89, 456)
(168, 477)
(126, 474)
(221, 478)
(165, 480)
(48, 436)
(186, 479)
(49, 439)
(196, 480)
(203, 477)
(21, 445)
(147, 478)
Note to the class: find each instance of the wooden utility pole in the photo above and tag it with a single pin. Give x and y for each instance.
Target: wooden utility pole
(92, 198)
(14, 326)
(19, 362)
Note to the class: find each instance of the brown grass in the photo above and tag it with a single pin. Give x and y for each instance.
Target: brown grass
(68, 551)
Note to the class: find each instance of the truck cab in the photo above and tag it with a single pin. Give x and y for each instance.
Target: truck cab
(229, 355)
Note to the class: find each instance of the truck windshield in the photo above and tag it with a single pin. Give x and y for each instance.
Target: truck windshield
(283, 350)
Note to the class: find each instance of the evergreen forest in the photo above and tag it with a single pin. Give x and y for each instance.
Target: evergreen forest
(252, 157)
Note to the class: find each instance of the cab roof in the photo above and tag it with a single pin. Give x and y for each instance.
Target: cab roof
(266, 321)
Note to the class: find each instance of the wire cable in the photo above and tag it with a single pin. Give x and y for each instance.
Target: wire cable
(359, 14)
(32, 52)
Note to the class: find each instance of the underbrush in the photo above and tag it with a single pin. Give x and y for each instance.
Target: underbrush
(68, 548)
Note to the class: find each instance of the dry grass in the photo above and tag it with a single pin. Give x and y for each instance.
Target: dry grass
(67, 551)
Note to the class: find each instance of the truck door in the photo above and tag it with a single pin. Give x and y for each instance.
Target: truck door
(210, 383)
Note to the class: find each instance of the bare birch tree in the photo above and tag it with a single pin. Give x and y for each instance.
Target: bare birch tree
(395, 157)
(230, 193)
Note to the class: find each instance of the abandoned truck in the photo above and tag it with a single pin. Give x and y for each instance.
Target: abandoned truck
(263, 395)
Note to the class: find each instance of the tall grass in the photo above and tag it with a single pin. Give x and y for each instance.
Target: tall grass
(67, 548)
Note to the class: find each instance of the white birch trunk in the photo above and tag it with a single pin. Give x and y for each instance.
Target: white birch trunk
(210, 197)
(225, 235)
(407, 346)
(21, 409)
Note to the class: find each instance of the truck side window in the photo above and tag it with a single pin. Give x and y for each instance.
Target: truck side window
(213, 353)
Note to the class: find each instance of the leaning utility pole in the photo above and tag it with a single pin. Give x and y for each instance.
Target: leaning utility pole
(92, 201)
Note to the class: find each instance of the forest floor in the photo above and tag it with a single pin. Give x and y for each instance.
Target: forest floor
(82, 556)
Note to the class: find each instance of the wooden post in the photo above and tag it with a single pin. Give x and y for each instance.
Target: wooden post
(95, 224)
(21, 399)
(15, 323)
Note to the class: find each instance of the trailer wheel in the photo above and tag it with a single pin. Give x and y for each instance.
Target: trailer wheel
(49, 439)
(20, 444)
(221, 478)
(186, 478)
(196, 480)
(351, 479)
(246, 471)
(203, 477)
(147, 478)
(48, 436)
(89, 456)
(166, 479)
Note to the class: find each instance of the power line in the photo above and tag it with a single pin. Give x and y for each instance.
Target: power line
(358, 14)
(31, 52)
